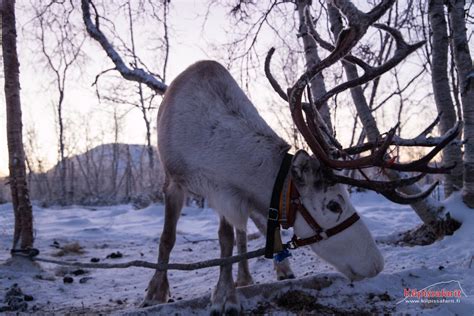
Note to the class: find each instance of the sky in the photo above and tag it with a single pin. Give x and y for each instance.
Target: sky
(89, 123)
(188, 45)
(196, 33)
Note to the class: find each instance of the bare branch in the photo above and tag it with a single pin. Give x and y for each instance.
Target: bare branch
(135, 74)
(430, 127)
(328, 46)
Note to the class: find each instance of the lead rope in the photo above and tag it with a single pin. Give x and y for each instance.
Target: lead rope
(32, 253)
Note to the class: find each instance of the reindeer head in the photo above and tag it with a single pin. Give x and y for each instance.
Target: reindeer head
(352, 249)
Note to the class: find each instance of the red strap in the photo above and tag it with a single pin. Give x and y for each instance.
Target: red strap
(296, 242)
(294, 206)
(309, 219)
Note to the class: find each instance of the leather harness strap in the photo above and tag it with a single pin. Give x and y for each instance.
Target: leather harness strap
(308, 218)
(297, 242)
(284, 205)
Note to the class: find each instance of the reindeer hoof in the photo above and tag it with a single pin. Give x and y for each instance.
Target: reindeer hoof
(156, 298)
(158, 290)
(233, 310)
(286, 277)
(230, 309)
(153, 301)
(147, 302)
(216, 310)
(244, 282)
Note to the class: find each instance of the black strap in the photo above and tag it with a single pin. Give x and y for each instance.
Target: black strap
(272, 223)
(28, 252)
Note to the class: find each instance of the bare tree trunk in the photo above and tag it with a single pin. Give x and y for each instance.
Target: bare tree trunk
(142, 106)
(128, 176)
(115, 157)
(442, 94)
(62, 161)
(428, 210)
(72, 185)
(146, 119)
(85, 171)
(318, 88)
(30, 173)
(463, 61)
(23, 231)
(59, 62)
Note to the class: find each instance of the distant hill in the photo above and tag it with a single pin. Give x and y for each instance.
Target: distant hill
(106, 174)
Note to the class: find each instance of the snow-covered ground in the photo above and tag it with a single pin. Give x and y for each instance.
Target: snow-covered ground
(447, 264)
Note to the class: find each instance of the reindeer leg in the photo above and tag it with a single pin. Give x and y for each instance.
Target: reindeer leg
(224, 299)
(283, 269)
(158, 288)
(244, 277)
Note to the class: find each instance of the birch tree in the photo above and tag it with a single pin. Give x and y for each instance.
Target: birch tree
(317, 85)
(442, 92)
(61, 45)
(464, 67)
(429, 210)
(23, 230)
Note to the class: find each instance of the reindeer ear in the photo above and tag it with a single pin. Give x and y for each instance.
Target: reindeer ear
(304, 169)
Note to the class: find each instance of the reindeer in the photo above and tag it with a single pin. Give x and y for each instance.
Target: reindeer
(212, 142)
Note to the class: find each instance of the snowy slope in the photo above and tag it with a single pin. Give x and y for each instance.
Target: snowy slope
(135, 233)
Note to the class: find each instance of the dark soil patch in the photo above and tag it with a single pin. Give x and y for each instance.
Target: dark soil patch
(68, 280)
(262, 308)
(15, 300)
(384, 297)
(303, 303)
(296, 301)
(115, 255)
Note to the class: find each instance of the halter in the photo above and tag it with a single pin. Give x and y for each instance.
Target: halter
(285, 204)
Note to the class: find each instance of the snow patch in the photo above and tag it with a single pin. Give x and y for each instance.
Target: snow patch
(135, 233)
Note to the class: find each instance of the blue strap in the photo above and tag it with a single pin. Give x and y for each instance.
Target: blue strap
(282, 255)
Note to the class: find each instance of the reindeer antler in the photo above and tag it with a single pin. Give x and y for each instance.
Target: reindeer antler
(316, 139)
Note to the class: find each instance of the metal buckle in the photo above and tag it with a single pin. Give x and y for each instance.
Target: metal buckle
(291, 245)
(272, 214)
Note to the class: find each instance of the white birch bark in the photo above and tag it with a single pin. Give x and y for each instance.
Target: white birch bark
(463, 62)
(318, 88)
(442, 94)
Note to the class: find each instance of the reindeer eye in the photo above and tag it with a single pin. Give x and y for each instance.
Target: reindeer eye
(334, 207)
